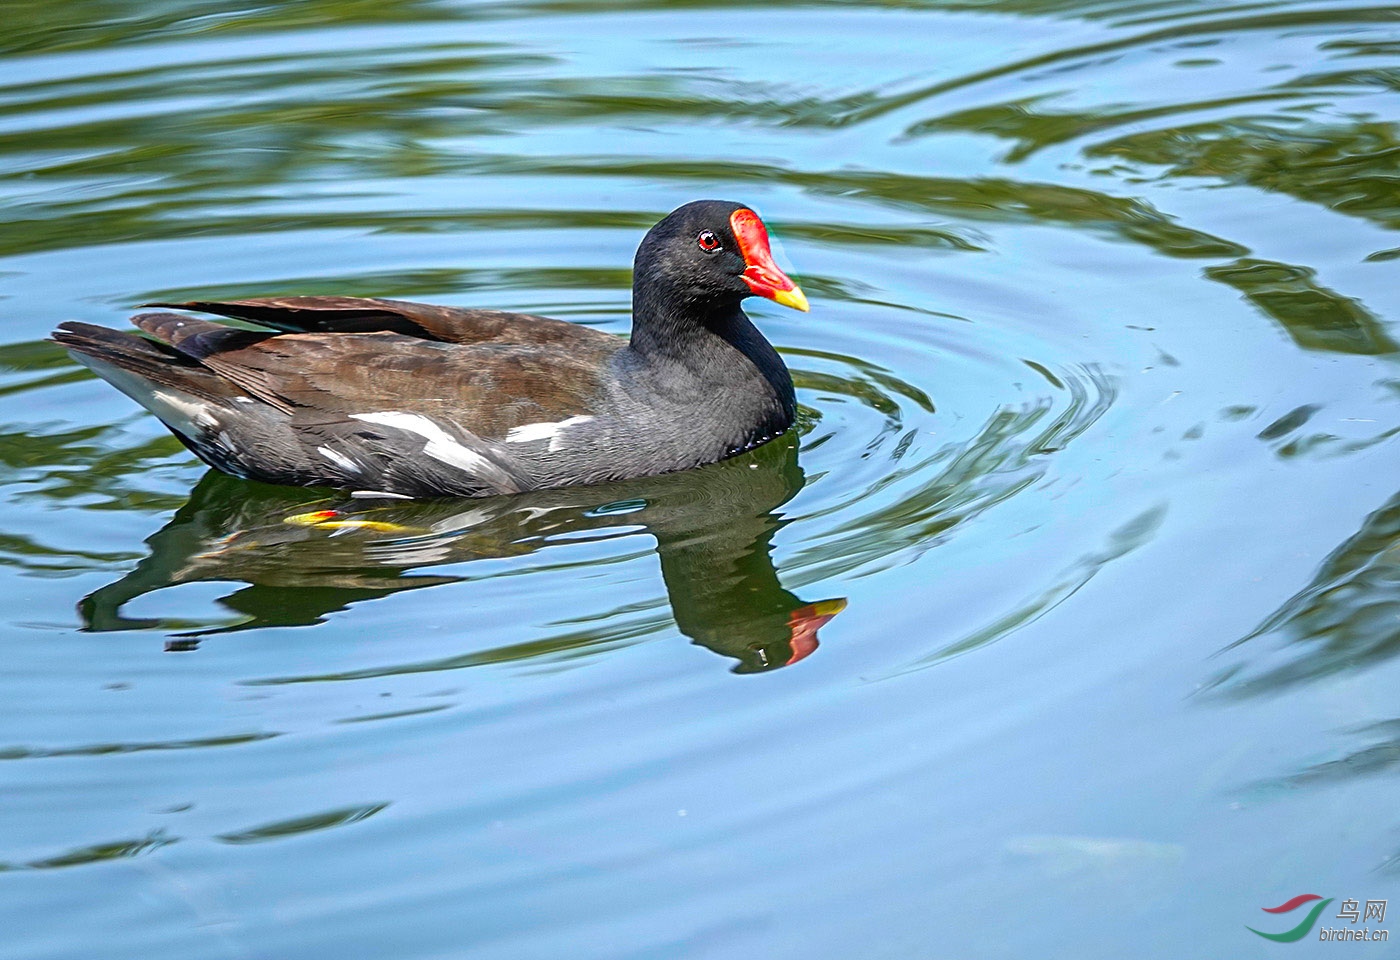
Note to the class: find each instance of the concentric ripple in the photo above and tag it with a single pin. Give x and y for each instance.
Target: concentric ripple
(886, 478)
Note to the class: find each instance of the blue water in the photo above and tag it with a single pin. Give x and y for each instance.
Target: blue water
(1098, 447)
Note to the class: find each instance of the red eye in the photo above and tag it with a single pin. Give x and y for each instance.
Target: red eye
(708, 241)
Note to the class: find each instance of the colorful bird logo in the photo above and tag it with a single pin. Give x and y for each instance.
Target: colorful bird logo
(1304, 927)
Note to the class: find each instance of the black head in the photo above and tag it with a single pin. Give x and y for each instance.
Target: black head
(707, 255)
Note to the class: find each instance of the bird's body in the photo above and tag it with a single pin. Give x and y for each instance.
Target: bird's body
(406, 399)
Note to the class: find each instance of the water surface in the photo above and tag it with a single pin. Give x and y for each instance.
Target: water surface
(1064, 625)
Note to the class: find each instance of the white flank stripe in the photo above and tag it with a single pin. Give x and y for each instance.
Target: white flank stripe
(339, 459)
(440, 445)
(529, 432)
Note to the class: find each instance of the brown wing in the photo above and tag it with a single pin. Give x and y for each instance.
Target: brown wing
(486, 387)
(423, 320)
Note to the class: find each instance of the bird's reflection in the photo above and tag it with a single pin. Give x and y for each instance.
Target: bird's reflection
(300, 559)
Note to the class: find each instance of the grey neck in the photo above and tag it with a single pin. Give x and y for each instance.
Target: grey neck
(714, 349)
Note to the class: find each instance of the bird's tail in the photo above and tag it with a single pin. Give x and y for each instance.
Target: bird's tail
(166, 382)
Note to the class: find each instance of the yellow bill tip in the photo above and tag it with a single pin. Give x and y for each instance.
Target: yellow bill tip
(794, 298)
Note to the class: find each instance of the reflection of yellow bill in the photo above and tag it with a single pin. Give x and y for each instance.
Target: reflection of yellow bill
(331, 520)
(827, 608)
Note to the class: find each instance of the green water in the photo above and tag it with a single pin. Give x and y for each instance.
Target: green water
(1100, 402)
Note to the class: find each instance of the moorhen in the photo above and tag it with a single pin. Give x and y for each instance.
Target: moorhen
(398, 399)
